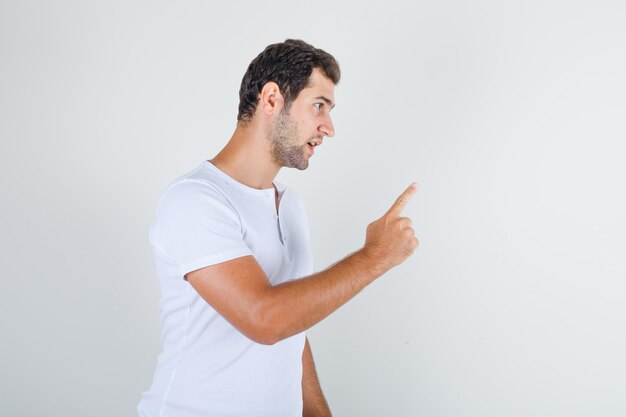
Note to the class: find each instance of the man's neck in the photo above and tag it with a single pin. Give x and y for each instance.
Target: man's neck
(246, 158)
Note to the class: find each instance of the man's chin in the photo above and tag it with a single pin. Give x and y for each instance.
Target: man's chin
(301, 167)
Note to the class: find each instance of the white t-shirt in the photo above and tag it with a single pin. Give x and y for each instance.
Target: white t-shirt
(207, 367)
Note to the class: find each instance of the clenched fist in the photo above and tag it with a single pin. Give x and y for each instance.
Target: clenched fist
(391, 239)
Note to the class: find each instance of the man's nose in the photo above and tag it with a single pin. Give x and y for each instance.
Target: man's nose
(327, 128)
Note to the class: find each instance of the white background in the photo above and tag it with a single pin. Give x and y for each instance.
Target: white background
(510, 114)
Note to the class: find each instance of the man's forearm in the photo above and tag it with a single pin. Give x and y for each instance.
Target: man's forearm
(295, 306)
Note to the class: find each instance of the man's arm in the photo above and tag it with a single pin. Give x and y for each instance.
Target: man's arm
(240, 291)
(314, 403)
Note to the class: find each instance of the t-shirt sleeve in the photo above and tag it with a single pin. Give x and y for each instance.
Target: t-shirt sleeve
(196, 226)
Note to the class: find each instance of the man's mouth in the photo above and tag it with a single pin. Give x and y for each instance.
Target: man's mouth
(312, 144)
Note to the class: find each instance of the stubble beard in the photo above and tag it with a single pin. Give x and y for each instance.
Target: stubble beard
(282, 135)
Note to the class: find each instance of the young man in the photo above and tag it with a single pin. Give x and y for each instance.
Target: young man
(233, 258)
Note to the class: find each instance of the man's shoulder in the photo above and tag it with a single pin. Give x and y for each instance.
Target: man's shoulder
(199, 185)
(199, 175)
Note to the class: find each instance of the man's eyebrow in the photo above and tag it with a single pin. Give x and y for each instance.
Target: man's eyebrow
(327, 100)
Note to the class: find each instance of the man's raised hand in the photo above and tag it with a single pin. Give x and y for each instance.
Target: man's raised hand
(391, 239)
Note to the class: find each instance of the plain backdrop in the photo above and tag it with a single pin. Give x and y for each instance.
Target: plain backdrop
(510, 114)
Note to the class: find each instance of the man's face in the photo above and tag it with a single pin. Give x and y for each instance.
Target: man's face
(294, 134)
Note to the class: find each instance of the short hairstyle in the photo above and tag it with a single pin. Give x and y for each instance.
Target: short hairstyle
(289, 64)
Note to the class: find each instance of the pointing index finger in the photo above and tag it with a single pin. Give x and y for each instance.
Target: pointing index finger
(402, 201)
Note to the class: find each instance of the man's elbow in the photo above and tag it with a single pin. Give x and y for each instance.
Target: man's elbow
(266, 327)
(265, 339)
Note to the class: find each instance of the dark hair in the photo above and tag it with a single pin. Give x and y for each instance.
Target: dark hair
(289, 64)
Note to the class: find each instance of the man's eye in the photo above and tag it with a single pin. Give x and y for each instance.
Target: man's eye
(318, 106)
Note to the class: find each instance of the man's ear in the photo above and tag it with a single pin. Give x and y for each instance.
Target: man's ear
(271, 100)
